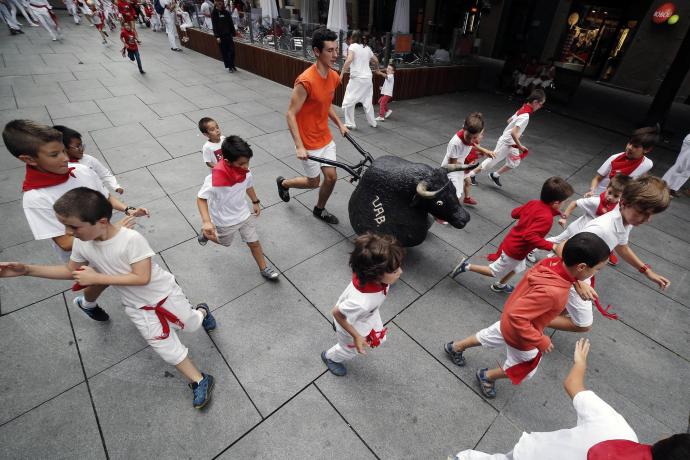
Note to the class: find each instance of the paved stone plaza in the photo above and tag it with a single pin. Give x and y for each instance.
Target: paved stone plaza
(75, 388)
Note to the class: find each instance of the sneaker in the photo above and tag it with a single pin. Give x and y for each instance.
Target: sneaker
(96, 313)
(455, 356)
(461, 267)
(496, 179)
(209, 322)
(388, 113)
(201, 239)
(613, 259)
(507, 288)
(269, 274)
(350, 126)
(337, 369)
(486, 386)
(380, 119)
(142, 72)
(283, 192)
(325, 216)
(441, 221)
(202, 391)
(469, 201)
(532, 257)
(473, 180)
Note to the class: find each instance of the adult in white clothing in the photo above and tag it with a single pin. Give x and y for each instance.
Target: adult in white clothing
(18, 5)
(43, 12)
(677, 174)
(169, 18)
(360, 88)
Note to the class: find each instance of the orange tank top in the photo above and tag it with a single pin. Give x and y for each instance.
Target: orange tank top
(312, 119)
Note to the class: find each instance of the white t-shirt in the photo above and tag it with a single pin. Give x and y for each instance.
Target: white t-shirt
(605, 170)
(589, 205)
(212, 152)
(387, 89)
(227, 205)
(343, 48)
(101, 170)
(115, 257)
(359, 67)
(596, 422)
(361, 309)
(520, 121)
(610, 228)
(38, 203)
(456, 149)
(167, 14)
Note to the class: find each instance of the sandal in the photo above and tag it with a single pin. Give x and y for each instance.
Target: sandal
(486, 386)
(455, 356)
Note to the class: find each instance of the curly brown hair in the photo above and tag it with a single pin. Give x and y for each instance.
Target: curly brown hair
(374, 255)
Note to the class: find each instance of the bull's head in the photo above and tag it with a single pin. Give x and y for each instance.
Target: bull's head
(443, 202)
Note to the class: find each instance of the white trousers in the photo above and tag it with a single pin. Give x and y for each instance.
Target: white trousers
(677, 174)
(46, 21)
(5, 13)
(476, 455)
(171, 30)
(503, 152)
(155, 21)
(72, 9)
(344, 350)
(359, 90)
(17, 5)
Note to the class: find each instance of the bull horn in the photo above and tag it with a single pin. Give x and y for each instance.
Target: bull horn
(459, 167)
(423, 192)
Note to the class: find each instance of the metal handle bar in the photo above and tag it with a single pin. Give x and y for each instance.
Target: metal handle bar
(356, 170)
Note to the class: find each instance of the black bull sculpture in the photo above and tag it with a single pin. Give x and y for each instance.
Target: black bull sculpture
(395, 196)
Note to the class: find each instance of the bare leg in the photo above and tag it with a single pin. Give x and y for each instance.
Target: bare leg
(564, 323)
(258, 254)
(466, 187)
(329, 178)
(481, 269)
(189, 370)
(464, 344)
(504, 169)
(506, 278)
(302, 182)
(495, 374)
(91, 293)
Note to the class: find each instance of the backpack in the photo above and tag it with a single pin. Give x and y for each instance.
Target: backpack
(158, 7)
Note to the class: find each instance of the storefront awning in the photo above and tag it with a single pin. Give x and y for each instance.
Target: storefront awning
(337, 16)
(401, 18)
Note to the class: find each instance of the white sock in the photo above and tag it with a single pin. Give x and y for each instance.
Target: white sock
(495, 174)
(87, 304)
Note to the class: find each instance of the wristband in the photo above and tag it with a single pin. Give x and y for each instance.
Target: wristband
(129, 208)
(256, 202)
(644, 268)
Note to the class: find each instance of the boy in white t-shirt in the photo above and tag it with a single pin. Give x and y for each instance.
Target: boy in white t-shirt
(109, 255)
(386, 91)
(74, 147)
(211, 149)
(48, 176)
(223, 205)
(632, 162)
(509, 146)
(376, 264)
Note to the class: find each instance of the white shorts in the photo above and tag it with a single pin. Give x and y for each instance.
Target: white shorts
(170, 349)
(246, 229)
(505, 264)
(458, 180)
(477, 455)
(491, 337)
(580, 311)
(313, 168)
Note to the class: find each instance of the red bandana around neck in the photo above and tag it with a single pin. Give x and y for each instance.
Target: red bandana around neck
(226, 175)
(621, 164)
(619, 449)
(461, 135)
(555, 264)
(526, 108)
(604, 207)
(369, 288)
(35, 179)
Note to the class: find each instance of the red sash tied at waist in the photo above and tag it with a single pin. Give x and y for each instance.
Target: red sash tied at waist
(374, 338)
(165, 317)
(520, 371)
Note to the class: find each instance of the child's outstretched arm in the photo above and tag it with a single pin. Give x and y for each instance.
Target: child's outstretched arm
(207, 227)
(53, 272)
(139, 276)
(568, 211)
(630, 257)
(593, 186)
(256, 206)
(575, 381)
(360, 342)
(515, 134)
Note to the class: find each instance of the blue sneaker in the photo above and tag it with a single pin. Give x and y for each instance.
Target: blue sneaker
(505, 288)
(202, 391)
(461, 267)
(486, 386)
(455, 356)
(209, 322)
(96, 313)
(337, 369)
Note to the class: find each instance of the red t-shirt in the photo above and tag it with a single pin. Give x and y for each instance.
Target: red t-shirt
(534, 222)
(312, 119)
(130, 39)
(126, 11)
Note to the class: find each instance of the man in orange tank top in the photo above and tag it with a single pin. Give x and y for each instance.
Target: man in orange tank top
(307, 117)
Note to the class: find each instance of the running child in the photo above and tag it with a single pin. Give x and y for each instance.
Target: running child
(386, 91)
(110, 255)
(223, 206)
(509, 146)
(74, 147)
(592, 207)
(376, 264)
(535, 219)
(211, 150)
(632, 162)
(129, 40)
(537, 300)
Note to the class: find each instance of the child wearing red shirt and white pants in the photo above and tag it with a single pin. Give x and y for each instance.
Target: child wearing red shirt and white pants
(129, 39)
(537, 300)
(535, 219)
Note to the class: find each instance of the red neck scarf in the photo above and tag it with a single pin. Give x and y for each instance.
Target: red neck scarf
(621, 164)
(555, 264)
(36, 179)
(226, 175)
(526, 108)
(369, 288)
(461, 135)
(604, 206)
(619, 449)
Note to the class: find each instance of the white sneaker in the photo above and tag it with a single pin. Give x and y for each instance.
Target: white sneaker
(380, 119)
(388, 113)
(350, 126)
